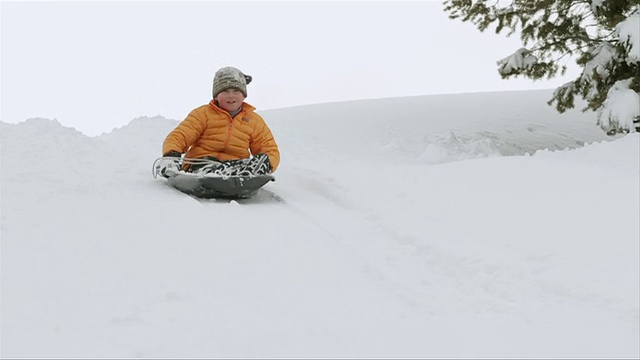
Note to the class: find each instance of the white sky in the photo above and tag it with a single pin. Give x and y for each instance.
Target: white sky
(96, 66)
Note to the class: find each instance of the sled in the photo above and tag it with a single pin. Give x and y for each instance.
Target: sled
(218, 187)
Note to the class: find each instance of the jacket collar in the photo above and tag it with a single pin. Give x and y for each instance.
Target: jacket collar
(245, 106)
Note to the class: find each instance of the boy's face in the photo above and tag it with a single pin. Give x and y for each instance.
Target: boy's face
(230, 99)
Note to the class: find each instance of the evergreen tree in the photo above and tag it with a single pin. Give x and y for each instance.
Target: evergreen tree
(603, 35)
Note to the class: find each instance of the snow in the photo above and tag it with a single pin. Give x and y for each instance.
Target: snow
(622, 105)
(620, 108)
(521, 59)
(474, 225)
(628, 31)
(603, 54)
(596, 5)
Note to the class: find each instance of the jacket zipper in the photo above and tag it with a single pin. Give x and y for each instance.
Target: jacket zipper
(226, 142)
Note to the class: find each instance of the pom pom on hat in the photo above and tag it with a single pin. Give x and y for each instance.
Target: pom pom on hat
(230, 78)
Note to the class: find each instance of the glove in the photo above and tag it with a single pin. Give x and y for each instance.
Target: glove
(172, 153)
(169, 164)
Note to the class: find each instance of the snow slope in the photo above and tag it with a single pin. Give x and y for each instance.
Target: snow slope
(472, 225)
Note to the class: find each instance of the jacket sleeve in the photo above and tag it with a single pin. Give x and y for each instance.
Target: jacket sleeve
(263, 142)
(186, 134)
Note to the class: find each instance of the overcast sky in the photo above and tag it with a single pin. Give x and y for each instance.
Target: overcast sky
(96, 66)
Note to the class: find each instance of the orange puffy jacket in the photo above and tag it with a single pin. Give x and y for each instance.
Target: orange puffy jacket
(210, 131)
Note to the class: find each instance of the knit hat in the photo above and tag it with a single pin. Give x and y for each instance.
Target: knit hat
(230, 78)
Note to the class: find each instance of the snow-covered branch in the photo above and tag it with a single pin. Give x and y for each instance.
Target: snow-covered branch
(620, 109)
(516, 62)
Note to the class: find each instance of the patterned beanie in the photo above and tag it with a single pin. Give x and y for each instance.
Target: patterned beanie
(230, 78)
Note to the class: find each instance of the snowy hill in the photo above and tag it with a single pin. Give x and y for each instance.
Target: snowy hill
(473, 225)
